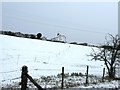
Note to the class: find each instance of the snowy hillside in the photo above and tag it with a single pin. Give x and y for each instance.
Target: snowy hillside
(43, 58)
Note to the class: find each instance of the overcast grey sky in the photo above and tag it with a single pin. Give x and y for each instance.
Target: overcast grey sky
(78, 21)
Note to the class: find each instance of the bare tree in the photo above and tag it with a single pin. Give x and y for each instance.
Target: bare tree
(109, 53)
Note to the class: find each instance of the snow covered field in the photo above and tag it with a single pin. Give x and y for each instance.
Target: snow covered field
(43, 58)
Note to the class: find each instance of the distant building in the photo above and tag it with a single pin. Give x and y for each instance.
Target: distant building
(59, 37)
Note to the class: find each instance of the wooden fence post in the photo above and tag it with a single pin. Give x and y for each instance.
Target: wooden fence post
(87, 74)
(103, 75)
(33, 81)
(62, 85)
(24, 78)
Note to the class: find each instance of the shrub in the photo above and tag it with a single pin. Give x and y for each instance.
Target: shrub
(32, 36)
(39, 35)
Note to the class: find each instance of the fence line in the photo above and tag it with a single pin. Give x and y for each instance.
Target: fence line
(11, 79)
(65, 69)
(25, 76)
(10, 71)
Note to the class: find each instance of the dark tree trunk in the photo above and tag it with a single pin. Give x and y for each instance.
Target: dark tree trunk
(111, 73)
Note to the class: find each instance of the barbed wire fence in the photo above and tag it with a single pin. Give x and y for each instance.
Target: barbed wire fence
(65, 74)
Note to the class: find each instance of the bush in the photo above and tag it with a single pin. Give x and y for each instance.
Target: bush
(32, 36)
(84, 44)
(26, 36)
(73, 43)
(39, 35)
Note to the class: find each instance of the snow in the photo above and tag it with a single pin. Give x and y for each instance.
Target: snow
(43, 58)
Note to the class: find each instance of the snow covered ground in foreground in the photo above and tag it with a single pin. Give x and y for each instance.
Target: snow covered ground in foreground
(43, 58)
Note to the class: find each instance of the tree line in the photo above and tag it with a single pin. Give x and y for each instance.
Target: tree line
(59, 38)
(19, 34)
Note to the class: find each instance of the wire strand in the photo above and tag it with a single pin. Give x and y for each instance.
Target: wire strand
(54, 25)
